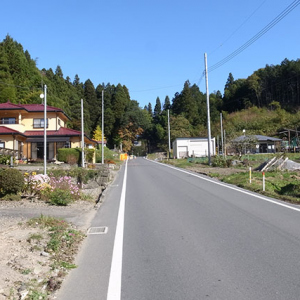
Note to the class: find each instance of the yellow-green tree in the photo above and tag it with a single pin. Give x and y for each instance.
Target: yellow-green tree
(97, 134)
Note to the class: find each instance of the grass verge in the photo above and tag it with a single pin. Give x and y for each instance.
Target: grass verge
(283, 185)
(280, 185)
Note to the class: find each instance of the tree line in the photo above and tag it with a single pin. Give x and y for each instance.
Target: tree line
(270, 88)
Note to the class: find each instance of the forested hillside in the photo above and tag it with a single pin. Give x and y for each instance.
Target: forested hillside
(263, 103)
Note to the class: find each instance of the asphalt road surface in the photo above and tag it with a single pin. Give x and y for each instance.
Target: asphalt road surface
(173, 234)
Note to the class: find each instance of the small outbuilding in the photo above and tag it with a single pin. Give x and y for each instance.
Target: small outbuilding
(193, 147)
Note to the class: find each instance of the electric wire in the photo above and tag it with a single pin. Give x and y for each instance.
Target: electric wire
(158, 88)
(231, 35)
(275, 21)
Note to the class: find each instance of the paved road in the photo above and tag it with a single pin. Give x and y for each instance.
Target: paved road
(187, 237)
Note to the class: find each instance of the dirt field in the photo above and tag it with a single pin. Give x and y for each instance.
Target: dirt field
(20, 263)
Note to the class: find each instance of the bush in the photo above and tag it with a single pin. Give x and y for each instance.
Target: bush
(65, 183)
(221, 162)
(71, 159)
(69, 155)
(12, 197)
(291, 189)
(89, 155)
(36, 183)
(82, 175)
(4, 159)
(11, 181)
(60, 197)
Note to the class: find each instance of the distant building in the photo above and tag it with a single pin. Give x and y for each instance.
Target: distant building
(258, 144)
(193, 147)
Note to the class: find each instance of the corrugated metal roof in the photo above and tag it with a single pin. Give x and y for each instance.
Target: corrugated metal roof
(260, 138)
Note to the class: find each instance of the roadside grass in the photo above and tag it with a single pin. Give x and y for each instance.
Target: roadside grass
(180, 163)
(151, 156)
(283, 185)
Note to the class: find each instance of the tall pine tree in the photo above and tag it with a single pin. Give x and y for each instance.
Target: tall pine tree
(90, 98)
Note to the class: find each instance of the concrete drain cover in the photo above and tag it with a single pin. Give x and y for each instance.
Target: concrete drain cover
(97, 230)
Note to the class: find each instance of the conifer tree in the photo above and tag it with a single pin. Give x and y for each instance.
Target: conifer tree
(150, 109)
(119, 101)
(167, 104)
(157, 107)
(7, 88)
(90, 98)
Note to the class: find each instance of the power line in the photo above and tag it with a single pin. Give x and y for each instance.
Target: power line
(239, 27)
(283, 14)
(158, 88)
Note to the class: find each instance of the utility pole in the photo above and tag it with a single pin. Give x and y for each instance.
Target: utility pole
(225, 143)
(45, 129)
(82, 136)
(222, 141)
(169, 135)
(208, 111)
(102, 129)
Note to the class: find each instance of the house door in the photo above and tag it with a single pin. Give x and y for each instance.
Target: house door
(40, 150)
(37, 151)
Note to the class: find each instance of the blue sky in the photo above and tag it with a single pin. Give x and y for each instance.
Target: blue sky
(152, 47)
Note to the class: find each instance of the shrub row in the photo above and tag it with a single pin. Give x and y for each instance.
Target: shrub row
(73, 156)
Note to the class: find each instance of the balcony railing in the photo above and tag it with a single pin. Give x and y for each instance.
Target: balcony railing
(4, 151)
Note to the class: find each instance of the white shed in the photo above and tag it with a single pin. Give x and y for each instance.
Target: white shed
(196, 147)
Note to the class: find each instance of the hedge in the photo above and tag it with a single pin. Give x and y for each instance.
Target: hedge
(73, 155)
(69, 155)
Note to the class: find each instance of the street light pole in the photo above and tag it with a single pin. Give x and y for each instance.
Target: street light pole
(208, 110)
(169, 134)
(102, 129)
(45, 129)
(82, 136)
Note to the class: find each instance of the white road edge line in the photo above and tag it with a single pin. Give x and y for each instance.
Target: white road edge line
(229, 187)
(115, 278)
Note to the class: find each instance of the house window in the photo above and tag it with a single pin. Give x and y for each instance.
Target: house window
(58, 122)
(2, 144)
(39, 123)
(66, 144)
(8, 120)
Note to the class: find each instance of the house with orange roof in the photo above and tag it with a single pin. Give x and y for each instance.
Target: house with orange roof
(22, 131)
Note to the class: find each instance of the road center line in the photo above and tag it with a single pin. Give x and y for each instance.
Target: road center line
(229, 187)
(115, 278)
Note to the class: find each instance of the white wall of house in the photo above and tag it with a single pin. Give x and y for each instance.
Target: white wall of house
(196, 147)
(9, 143)
(27, 121)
